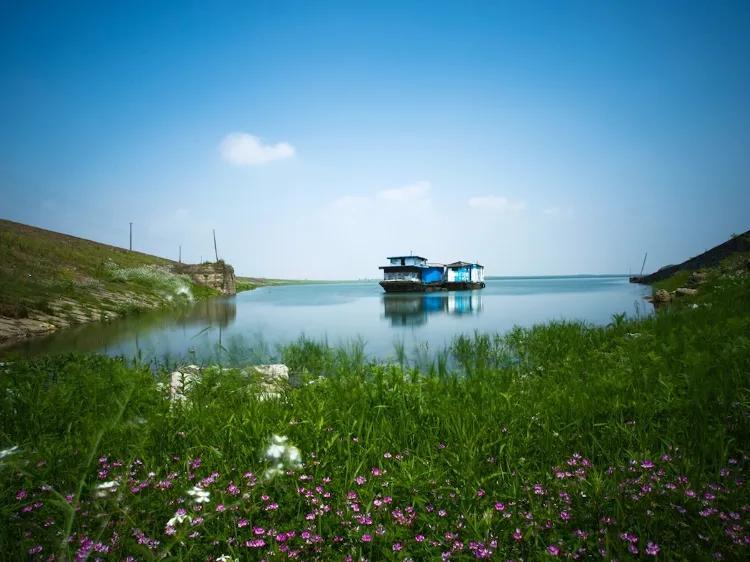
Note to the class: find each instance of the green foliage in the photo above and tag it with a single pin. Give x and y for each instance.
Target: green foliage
(638, 429)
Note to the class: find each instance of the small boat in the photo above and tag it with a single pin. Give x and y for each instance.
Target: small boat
(405, 274)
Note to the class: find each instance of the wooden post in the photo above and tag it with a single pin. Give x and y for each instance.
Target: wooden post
(131, 237)
(179, 259)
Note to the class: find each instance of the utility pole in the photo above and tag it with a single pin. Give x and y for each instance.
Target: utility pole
(179, 259)
(644, 263)
(131, 236)
(215, 250)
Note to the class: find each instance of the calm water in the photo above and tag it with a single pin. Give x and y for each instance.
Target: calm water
(252, 324)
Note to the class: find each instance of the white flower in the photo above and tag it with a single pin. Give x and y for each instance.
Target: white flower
(8, 452)
(275, 452)
(293, 456)
(274, 471)
(226, 558)
(105, 488)
(179, 518)
(199, 494)
(282, 455)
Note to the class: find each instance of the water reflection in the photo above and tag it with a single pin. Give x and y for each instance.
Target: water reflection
(135, 329)
(413, 309)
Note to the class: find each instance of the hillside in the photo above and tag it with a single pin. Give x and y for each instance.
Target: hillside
(50, 280)
(736, 248)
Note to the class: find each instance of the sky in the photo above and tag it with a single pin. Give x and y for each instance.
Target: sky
(317, 138)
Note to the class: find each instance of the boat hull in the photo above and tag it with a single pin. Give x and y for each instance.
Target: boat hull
(410, 287)
(463, 285)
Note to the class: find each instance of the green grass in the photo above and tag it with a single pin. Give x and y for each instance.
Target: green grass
(563, 436)
(39, 267)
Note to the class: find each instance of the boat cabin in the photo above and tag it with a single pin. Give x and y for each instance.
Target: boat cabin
(464, 272)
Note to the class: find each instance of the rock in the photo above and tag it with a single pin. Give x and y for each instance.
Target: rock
(274, 380)
(661, 296)
(696, 278)
(685, 292)
(217, 275)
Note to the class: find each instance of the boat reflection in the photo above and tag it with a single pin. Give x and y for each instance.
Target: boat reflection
(413, 309)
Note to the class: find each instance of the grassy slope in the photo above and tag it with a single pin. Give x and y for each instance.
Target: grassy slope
(39, 266)
(621, 439)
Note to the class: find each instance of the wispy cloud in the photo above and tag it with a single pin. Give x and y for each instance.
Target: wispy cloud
(243, 149)
(497, 203)
(411, 193)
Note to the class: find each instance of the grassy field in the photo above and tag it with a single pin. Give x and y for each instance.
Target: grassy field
(624, 442)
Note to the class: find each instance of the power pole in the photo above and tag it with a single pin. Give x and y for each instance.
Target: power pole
(215, 250)
(131, 236)
(180, 254)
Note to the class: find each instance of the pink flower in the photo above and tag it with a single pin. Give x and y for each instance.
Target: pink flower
(517, 536)
(419, 538)
(366, 538)
(360, 480)
(499, 506)
(652, 549)
(553, 550)
(397, 547)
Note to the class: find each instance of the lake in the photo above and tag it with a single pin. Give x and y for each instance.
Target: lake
(250, 326)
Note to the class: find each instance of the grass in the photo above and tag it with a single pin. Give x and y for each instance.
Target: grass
(627, 441)
(65, 279)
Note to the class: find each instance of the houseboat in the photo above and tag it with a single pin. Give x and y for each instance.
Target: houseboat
(405, 274)
(413, 274)
(460, 276)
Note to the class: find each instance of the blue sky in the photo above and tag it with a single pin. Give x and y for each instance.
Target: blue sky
(319, 137)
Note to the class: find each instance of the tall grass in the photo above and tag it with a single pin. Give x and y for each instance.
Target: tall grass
(568, 440)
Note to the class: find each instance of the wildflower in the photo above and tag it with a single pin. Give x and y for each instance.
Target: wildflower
(647, 464)
(36, 549)
(553, 550)
(179, 517)
(652, 549)
(419, 538)
(517, 535)
(360, 480)
(105, 488)
(397, 547)
(199, 494)
(242, 523)
(499, 506)
(565, 515)
(21, 494)
(366, 538)
(227, 558)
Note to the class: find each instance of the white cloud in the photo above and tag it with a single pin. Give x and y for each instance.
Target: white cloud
(243, 149)
(411, 193)
(497, 203)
